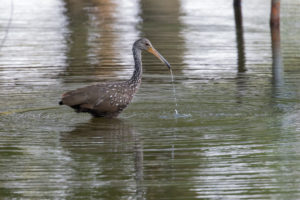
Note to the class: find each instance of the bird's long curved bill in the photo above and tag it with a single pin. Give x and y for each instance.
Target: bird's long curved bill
(160, 57)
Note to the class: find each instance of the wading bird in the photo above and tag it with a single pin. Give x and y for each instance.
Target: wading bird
(110, 99)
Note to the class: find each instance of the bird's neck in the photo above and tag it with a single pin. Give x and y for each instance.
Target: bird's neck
(137, 73)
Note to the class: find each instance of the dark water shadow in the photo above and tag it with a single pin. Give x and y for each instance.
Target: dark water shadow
(109, 153)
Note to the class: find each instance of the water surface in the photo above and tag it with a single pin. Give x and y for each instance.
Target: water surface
(237, 95)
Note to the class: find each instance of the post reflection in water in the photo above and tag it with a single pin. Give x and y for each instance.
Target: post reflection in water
(101, 38)
(162, 26)
(106, 155)
(277, 64)
(78, 35)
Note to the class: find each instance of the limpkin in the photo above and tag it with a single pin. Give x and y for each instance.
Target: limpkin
(110, 99)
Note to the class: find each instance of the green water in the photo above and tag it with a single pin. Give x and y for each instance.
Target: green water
(237, 132)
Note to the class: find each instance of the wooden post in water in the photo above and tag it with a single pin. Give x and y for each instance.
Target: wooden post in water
(275, 13)
(237, 3)
(239, 35)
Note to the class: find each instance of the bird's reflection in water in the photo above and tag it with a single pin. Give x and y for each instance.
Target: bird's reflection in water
(106, 159)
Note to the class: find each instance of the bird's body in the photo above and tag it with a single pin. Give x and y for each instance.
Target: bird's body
(110, 99)
(101, 100)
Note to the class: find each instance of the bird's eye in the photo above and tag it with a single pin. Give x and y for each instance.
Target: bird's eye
(147, 44)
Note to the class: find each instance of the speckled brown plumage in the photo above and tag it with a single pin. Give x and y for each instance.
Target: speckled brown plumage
(110, 99)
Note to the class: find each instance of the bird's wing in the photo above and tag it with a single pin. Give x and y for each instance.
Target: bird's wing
(86, 95)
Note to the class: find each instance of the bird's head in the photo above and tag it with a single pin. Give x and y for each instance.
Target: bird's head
(145, 44)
